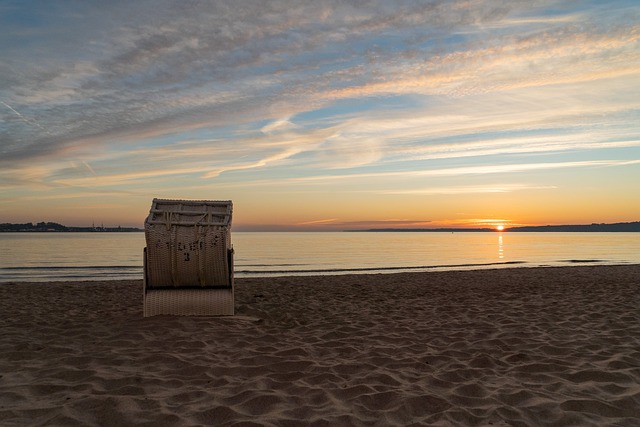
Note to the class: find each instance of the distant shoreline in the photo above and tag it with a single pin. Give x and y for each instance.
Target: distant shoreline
(53, 227)
(625, 227)
(606, 228)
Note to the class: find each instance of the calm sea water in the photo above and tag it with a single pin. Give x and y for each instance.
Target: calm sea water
(100, 256)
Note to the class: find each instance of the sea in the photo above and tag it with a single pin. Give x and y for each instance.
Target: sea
(44, 257)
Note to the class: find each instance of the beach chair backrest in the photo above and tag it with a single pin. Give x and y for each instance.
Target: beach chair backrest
(189, 243)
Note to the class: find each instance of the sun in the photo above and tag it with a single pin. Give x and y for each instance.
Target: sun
(500, 227)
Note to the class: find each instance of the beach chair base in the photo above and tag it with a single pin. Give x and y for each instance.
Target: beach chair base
(189, 302)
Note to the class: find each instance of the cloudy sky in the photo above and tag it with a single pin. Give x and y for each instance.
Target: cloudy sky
(322, 114)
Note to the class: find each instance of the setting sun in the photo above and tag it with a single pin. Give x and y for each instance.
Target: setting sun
(500, 227)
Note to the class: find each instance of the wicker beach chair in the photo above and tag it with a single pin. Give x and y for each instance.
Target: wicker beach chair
(188, 261)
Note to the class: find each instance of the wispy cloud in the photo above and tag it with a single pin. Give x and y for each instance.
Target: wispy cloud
(365, 224)
(319, 221)
(471, 189)
(471, 170)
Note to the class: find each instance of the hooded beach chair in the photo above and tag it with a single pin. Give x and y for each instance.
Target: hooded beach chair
(188, 261)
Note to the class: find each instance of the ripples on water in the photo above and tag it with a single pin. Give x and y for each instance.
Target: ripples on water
(109, 256)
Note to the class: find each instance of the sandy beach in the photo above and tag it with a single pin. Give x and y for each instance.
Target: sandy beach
(505, 347)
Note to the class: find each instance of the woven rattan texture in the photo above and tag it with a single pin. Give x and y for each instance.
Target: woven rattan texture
(189, 302)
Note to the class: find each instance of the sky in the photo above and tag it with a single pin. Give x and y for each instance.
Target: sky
(321, 114)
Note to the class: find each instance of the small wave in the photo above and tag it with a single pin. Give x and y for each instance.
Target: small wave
(60, 273)
(269, 265)
(370, 269)
(580, 261)
(75, 267)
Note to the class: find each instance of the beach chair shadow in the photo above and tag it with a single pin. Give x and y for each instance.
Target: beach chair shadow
(188, 261)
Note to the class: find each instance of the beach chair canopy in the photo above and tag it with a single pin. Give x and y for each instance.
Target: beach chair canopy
(188, 249)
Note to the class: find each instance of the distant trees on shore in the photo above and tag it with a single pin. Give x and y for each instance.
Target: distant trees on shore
(55, 227)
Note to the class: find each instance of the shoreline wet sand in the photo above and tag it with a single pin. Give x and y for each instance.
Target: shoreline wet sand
(514, 346)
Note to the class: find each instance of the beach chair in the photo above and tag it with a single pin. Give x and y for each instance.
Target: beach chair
(188, 261)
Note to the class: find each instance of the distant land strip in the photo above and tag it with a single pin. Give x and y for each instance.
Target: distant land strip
(55, 227)
(606, 228)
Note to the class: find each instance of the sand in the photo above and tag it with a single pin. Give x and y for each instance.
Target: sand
(505, 347)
